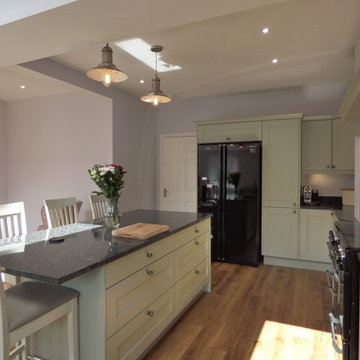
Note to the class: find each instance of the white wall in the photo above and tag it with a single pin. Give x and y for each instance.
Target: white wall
(133, 133)
(328, 184)
(53, 141)
(357, 143)
(3, 158)
(180, 115)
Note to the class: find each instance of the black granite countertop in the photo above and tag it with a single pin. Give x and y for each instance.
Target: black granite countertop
(323, 203)
(86, 250)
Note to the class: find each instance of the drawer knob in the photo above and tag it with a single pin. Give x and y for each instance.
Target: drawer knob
(150, 312)
(294, 211)
(197, 230)
(197, 242)
(149, 254)
(197, 272)
(149, 272)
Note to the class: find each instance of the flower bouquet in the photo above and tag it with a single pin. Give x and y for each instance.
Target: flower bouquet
(109, 178)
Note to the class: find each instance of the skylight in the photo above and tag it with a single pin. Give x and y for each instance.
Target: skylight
(19, 9)
(141, 50)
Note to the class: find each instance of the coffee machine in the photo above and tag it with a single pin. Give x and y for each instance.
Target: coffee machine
(307, 194)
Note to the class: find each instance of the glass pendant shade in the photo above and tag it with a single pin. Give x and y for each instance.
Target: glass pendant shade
(156, 96)
(106, 72)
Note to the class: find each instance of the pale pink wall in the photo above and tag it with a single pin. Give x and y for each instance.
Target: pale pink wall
(357, 143)
(54, 141)
(3, 160)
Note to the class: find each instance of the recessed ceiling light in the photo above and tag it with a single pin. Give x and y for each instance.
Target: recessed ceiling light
(22, 86)
(275, 61)
(142, 81)
(265, 30)
(141, 50)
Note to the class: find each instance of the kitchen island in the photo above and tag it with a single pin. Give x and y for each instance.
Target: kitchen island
(131, 291)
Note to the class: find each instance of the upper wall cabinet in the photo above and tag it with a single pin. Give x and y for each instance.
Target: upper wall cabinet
(228, 131)
(350, 107)
(327, 146)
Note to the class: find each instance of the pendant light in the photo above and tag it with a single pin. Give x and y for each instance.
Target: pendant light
(106, 72)
(156, 96)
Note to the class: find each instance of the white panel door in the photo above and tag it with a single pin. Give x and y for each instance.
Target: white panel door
(178, 170)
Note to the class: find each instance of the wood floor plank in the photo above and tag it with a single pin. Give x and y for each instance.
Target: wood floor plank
(268, 312)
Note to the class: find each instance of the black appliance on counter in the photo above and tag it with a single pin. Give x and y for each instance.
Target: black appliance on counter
(344, 252)
(229, 187)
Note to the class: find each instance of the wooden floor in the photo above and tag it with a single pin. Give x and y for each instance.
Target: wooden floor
(263, 313)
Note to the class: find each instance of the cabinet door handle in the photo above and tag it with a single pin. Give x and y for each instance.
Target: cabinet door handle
(228, 138)
(150, 312)
(197, 272)
(149, 254)
(165, 192)
(294, 211)
(149, 272)
(328, 166)
(197, 230)
(333, 166)
(294, 204)
(197, 242)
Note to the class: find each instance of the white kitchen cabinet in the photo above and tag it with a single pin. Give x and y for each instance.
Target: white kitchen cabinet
(229, 131)
(314, 230)
(280, 232)
(327, 146)
(281, 163)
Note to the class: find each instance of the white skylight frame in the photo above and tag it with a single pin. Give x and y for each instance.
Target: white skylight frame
(141, 50)
(14, 10)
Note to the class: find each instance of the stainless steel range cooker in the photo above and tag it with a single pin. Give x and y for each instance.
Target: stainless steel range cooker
(344, 252)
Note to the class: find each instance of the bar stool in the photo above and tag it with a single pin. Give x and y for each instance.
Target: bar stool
(98, 204)
(30, 306)
(61, 212)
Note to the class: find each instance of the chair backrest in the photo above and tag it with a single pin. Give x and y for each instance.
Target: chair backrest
(12, 220)
(98, 204)
(61, 212)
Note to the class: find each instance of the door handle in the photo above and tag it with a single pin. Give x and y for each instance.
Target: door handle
(165, 192)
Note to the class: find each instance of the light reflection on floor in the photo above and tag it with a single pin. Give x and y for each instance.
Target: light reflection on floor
(279, 341)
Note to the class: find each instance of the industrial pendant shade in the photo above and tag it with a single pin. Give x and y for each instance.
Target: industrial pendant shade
(106, 72)
(156, 96)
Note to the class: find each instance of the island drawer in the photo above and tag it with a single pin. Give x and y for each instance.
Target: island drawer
(192, 284)
(135, 337)
(191, 254)
(191, 232)
(127, 298)
(129, 264)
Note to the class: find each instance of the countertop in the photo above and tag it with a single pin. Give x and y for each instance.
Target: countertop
(92, 246)
(345, 214)
(324, 203)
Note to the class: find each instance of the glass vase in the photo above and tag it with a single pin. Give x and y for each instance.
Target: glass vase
(113, 216)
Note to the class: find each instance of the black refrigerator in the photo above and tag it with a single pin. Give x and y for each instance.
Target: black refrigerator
(229, 187)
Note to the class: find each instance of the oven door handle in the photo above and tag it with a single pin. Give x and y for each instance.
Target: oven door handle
(333, 322)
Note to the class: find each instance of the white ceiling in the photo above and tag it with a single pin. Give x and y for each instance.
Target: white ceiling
(218, 44)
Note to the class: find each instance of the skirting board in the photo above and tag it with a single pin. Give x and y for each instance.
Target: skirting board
(298, 264)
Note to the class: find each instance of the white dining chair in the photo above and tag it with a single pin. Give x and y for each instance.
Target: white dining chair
(60, 212)
(12, 223)
(98, 204)
(12, 220)
(30, 306)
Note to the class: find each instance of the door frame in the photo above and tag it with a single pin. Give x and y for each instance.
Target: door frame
(161, 161)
